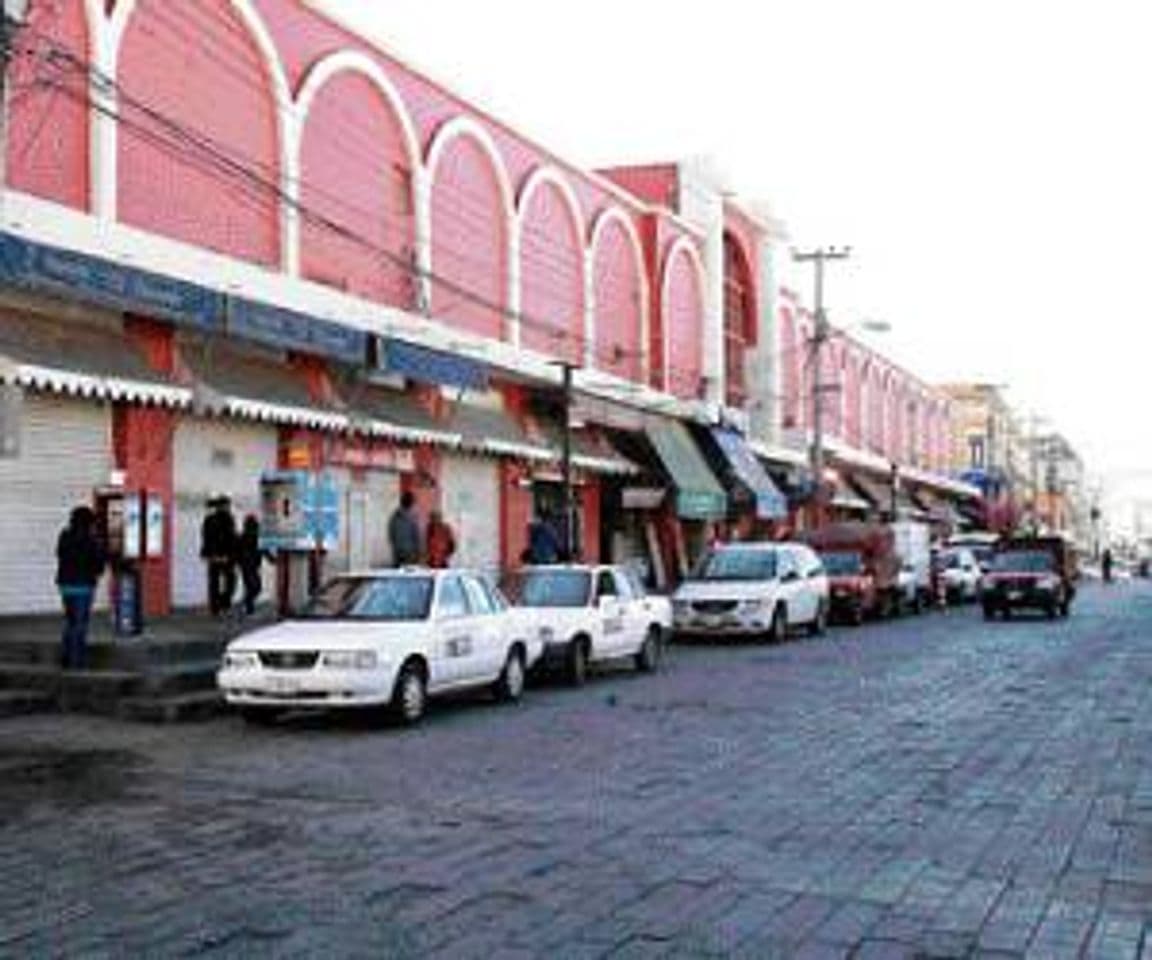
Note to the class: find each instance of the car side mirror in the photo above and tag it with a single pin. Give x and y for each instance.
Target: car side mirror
(790, 577)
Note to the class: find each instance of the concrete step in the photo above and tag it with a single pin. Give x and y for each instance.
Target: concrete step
(172, 708)
(128, 653)
(179, 677)
(17, 702)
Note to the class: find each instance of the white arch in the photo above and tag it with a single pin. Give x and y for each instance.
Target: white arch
(465, 126)
(681, 246)
(608, 216)
(540, 177)
(286, 135)
(352, 61)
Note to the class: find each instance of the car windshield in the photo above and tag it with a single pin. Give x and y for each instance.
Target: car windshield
(952, 561)
(737, 564)
(1023, 561)
(842, 563)
(551, 588)
(372, 598)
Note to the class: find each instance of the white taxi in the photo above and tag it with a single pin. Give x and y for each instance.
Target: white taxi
(757, 590)
(383, 639)
(587, 614)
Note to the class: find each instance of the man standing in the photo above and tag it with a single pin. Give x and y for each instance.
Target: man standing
(80, 560)
(218, 545)
(543, 544)
(404, 532)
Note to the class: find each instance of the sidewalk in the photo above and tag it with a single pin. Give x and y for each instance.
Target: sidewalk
(166, 673)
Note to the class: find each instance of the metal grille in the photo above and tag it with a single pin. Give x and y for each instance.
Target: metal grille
(294, 660)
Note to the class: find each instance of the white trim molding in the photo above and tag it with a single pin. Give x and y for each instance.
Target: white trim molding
(606, 217)
(686, 246)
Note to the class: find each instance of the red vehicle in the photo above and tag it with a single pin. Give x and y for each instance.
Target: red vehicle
(1037, 573)
(863, 569)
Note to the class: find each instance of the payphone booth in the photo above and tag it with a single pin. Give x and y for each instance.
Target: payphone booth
(300, 523)
(130, 526)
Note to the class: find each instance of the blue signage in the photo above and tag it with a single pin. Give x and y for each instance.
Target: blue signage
(289, 330)
(432, 366)
(60, 272)
(300, 510)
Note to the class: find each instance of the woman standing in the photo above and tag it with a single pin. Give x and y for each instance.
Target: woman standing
(80, 560)
(440, 541)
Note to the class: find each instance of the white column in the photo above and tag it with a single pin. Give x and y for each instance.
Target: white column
(513, 325)
(422, 207)
(103, 145)
(291, 144)
(590, 358)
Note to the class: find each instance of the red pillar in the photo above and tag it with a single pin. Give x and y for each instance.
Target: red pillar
(590, 503)
(515, 512)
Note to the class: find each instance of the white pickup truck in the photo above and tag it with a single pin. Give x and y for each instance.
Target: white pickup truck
(588, 614)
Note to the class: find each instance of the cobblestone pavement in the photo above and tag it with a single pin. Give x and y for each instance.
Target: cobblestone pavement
(936, 787)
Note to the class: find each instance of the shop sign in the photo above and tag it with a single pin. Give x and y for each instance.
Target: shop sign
(431, 366)
(60, 272)
(365, 455)
(642, 498)
(300, 510)
(288, 330)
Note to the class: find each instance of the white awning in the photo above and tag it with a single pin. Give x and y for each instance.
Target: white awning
(92, 386)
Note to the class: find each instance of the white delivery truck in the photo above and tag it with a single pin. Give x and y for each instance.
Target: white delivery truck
(914, 548)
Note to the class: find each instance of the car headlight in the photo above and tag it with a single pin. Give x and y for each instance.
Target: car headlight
(240, 661)
(751, 606)
(1048, 583)
(349, 660)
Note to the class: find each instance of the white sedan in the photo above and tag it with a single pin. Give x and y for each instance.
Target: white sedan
(383, 639)
(587, 614)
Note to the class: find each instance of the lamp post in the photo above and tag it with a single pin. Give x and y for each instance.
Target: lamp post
(569, 498)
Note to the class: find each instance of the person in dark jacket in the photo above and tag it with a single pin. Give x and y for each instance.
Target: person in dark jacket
(218, 544)
(440, 541)
(80, 560)
(250, 558)
(404, 533)
(543, 543)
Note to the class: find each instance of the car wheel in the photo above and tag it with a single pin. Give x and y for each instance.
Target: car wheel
(1006, 613)
(856, 618)
(778, 630)
(578, 663)
(648, 656)
(510, 687)
(819, 625)
(918, 603)
(989, 612)
(1066, 608)
(410, 697)
(258, 716)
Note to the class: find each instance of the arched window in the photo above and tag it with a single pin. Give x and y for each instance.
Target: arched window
(740, 327)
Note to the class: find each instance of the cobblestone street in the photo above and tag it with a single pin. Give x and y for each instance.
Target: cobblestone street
(935, 787)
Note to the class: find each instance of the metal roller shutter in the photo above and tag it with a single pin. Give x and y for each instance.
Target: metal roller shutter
(470, 499)
(213, 456)
(65, 452)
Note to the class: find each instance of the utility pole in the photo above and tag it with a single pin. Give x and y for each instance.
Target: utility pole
(820, 335)
(566, 369)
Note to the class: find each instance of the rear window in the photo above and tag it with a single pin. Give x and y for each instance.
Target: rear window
(842, 563)
(550, 588)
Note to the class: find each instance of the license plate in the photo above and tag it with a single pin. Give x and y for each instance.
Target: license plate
(283, 685)
(1015, 594)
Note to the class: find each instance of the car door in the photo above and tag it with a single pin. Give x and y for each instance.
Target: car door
(609, 617)
(815, 584)
(491, 646)
(632, 610)
(456, 630)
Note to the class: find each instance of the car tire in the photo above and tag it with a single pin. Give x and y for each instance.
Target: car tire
(577, 662)
(819, 625)
(410, 695)
(509, 688)
(259, 716)
(778, 629)
(648, 656)
(989, 612)
(856, 617)
(918, 603)
(1066, 609)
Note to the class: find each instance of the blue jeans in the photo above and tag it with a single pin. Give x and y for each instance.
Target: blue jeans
(77, 613)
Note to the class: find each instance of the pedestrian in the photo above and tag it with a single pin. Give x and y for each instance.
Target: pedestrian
(1106, 565)
(440, 541)
(218, 548)
(250, 558)
(543, 544)
(80, 560)
(404, 532)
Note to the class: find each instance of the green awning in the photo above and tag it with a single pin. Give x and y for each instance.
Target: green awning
(699, 495)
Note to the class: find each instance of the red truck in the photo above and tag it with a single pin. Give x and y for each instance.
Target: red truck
(863, 569)
(1038, 573)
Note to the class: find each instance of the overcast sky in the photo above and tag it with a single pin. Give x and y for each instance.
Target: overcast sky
(990, 162)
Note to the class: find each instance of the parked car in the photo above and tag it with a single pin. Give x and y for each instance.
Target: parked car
(1031, 572)
(383, 639)
(914, 548)
(982, 543)
(760, 590)
(863, 570)
(961, 574)
(584, 615)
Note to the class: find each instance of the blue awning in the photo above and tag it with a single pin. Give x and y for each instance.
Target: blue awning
(771, 504)
(432, 366)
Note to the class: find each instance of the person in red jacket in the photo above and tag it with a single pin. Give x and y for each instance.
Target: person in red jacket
(440, 541)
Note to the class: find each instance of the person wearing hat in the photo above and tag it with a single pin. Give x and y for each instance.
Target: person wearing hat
(218, 547)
